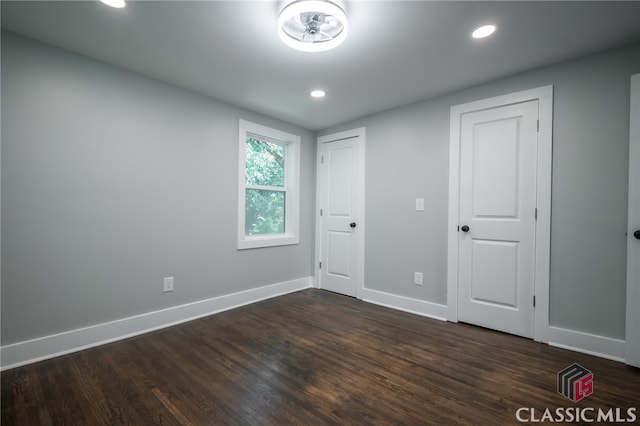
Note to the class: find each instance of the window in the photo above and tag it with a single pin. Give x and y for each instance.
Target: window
(269, 187)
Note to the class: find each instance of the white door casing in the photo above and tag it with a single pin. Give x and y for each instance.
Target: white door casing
(632, 341)
(497, 217)
(340, 213)
(493, 236)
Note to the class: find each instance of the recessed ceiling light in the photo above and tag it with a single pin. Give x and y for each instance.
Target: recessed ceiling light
(318, 94)
(118, 4)
(312, 25)
(484, 31)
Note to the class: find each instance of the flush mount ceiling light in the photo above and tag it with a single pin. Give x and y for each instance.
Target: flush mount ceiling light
(114, 3)
(312, 25)
(484, 31)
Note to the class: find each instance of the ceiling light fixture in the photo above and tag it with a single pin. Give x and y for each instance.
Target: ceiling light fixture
(484, 31)
(118, 4)
(312, 25)
(318, 94)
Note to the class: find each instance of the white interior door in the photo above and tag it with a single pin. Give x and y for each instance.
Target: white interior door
(633, 246)
(339, 175)
(497, 209)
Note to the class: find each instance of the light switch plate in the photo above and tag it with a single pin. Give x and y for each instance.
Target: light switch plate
(419, 204)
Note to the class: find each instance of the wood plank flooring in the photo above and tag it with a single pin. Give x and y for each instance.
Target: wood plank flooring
(308, 358)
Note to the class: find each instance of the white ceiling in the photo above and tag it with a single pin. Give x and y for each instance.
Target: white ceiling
(397, 52)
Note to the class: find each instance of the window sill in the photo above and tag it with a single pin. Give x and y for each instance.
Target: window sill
(258, 241)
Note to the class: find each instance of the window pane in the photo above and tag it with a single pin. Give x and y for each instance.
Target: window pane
(264, 163)
(264, 212)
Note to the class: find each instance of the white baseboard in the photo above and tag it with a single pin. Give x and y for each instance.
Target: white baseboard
(406, 304)
(34, 350)
(590, 344)
(604, 347)
(46, 347)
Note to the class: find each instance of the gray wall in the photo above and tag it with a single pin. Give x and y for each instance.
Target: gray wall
(112, 181)
(407, 157)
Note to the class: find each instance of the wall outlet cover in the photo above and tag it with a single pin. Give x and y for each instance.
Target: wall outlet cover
(417, 278)
(168, 284)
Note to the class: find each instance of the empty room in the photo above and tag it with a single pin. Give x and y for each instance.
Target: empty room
(320, 212)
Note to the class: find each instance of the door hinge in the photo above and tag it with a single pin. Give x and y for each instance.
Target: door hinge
(322, 159)
(534, 301)
(538, 126)
(536, 213)
(320, 266)
(320, 212)
(458, 228)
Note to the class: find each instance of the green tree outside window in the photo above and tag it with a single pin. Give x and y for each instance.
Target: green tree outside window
(265, 193)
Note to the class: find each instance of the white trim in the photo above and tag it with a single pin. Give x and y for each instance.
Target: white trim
(633, 245)
(543, 224)
(591, 344)
(29, 351)
(558, 337)
(454, 215)
(359, 149)
(318, 220)
(544, 95)
(406, 304)
(292, 187)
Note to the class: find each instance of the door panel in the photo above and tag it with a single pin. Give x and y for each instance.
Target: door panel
(339, 254)
(490, 285)
(339, 164)
(339, 243)
(498, 149)
(495, 169)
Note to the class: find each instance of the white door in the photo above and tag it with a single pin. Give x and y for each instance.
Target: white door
(340, 225)
(633, 233)
(497, 209)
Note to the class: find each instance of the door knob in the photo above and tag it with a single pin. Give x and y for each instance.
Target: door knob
(637, 234)
(465, 228)
(352, 224)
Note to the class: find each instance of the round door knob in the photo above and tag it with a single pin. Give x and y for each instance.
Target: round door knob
(637, 234)
(352, 224)
(465, 228)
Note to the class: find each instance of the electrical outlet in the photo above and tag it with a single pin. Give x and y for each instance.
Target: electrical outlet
(419, 204)
(168, 284)
(417, 278)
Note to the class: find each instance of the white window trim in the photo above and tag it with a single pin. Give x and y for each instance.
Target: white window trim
(292, 187)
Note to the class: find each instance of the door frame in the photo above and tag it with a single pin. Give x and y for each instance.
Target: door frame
(359, 187)
(632, 338)
(544, 96)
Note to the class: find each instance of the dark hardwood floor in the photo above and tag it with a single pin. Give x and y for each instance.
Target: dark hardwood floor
(311, 358)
